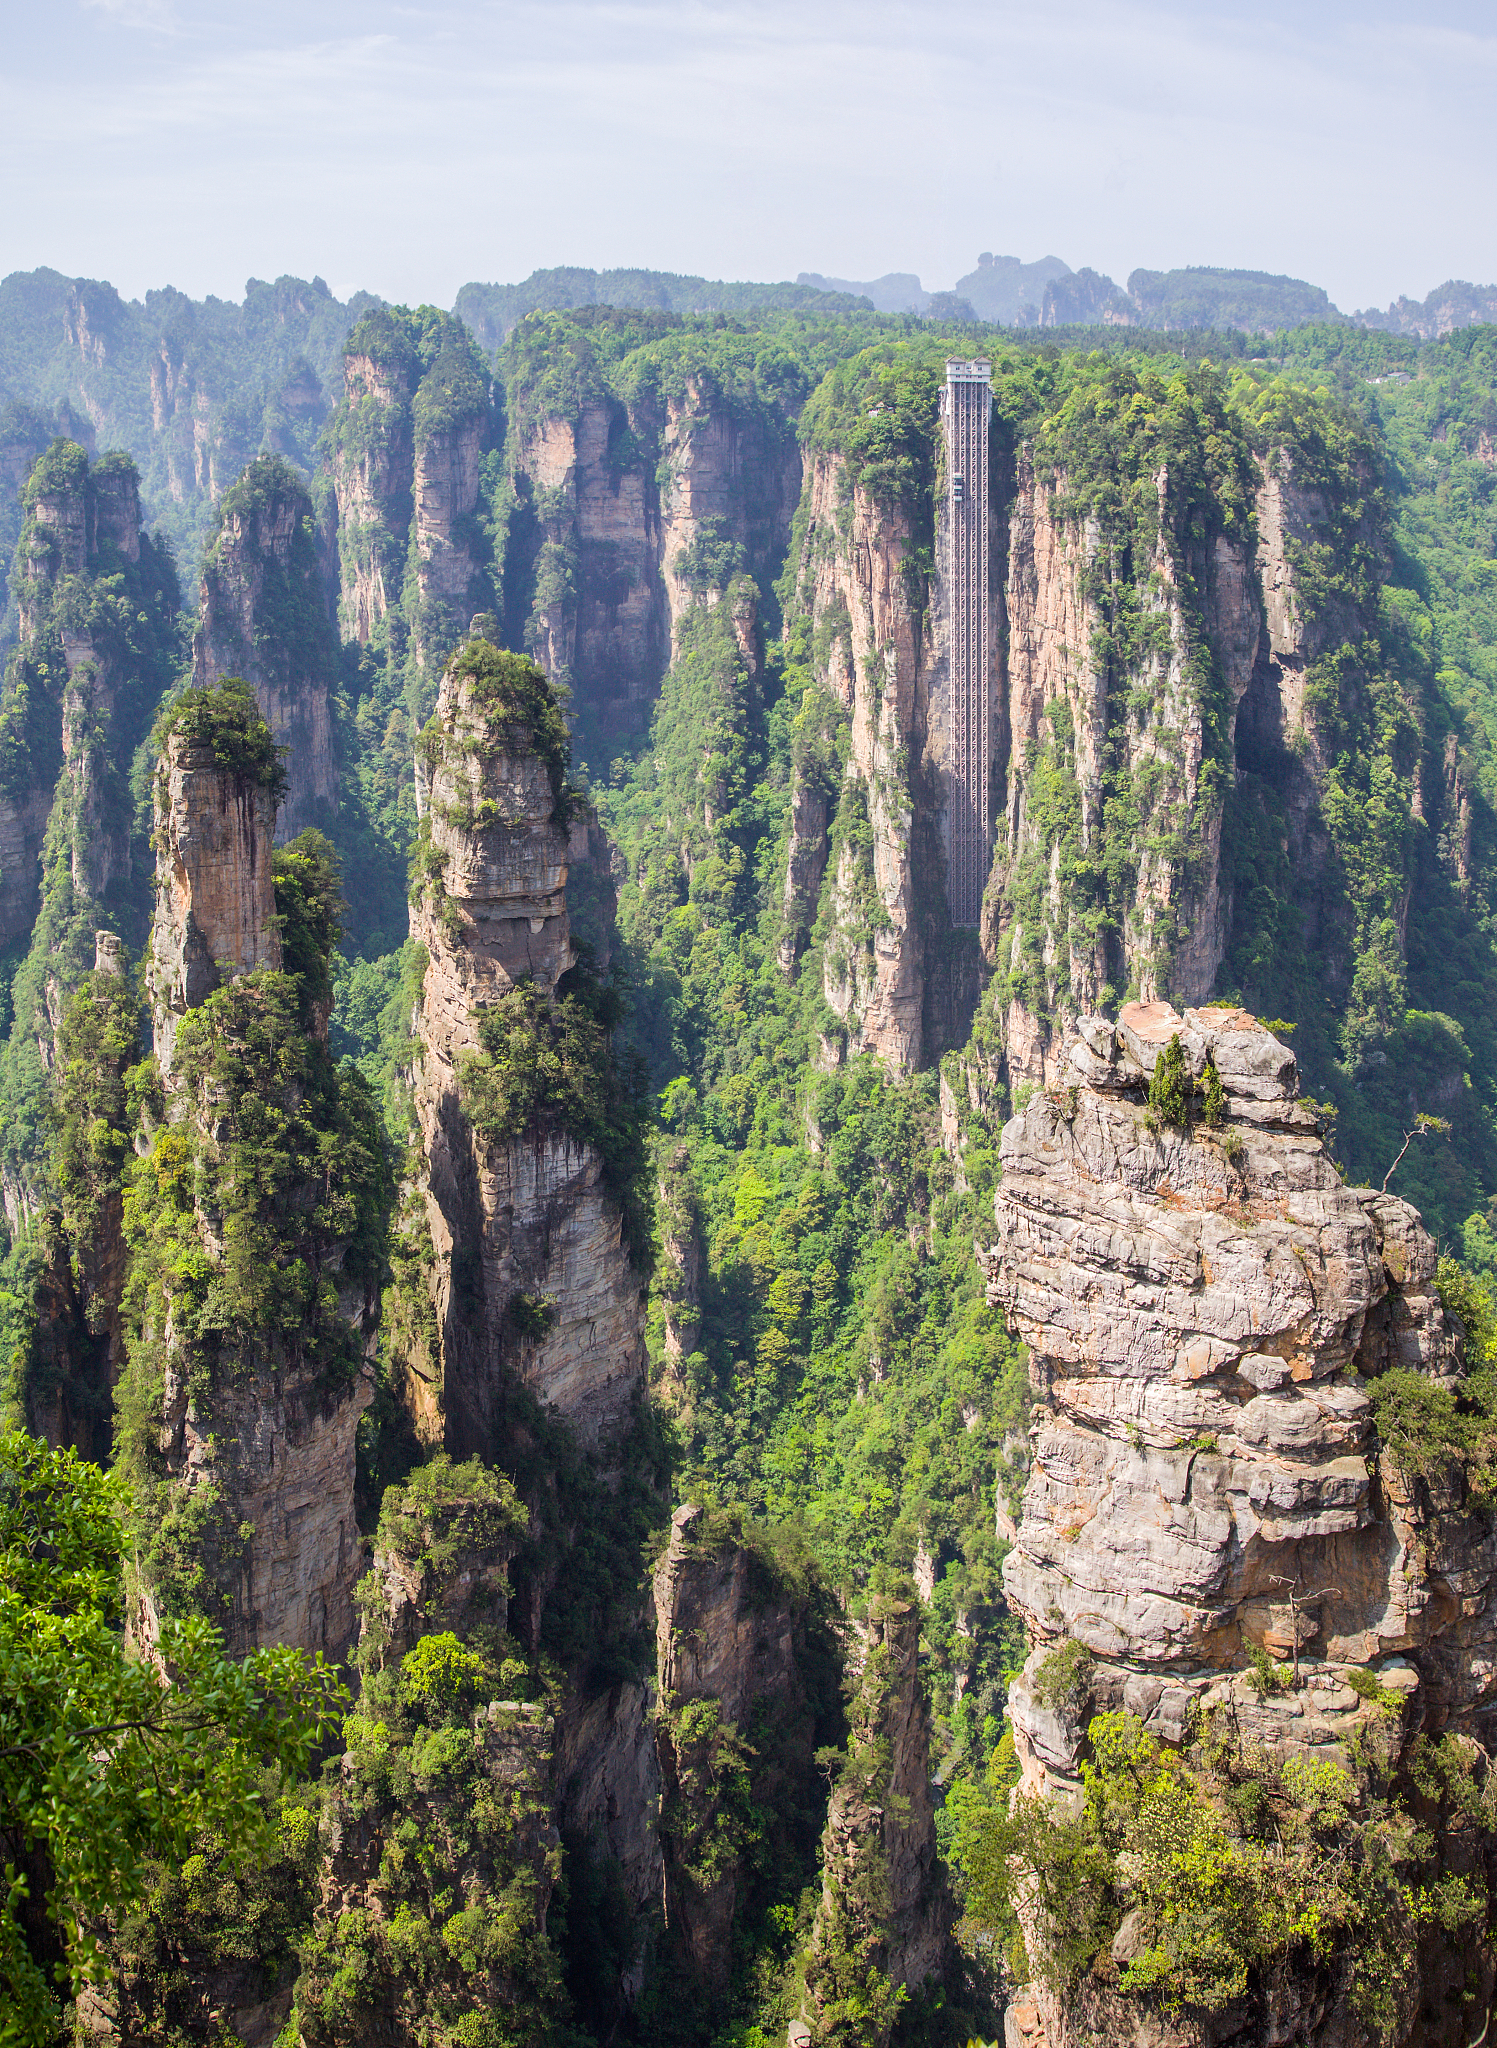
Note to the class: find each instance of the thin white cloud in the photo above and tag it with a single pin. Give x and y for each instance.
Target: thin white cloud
(157, 15)
(410, 149)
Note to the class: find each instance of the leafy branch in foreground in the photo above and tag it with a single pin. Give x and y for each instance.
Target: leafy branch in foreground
(105, 1761)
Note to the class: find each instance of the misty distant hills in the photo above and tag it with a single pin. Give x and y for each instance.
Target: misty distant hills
(1010, 293)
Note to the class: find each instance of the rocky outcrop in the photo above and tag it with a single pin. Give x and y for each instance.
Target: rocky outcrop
(263, 616)
(441, 1559)
(1204, 1306)
(404, 455)
(879, 631)
(884, 1919)
(488, 1863)
(635, 513)
(255, 1414)
(734, 1722)
(215, 892)
(533, 1280)
(1212, 1534)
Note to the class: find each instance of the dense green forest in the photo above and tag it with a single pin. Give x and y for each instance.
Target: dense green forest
(825, 1373)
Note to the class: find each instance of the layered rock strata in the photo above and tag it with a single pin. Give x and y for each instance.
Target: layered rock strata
(1204, 1308)
(533, 1280)
(868, 856)
(405, 451)
(263, 616)
(1096, 724)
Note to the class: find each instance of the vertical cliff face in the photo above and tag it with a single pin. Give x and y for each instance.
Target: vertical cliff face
(1211, 1314)
(883, 1922)
(263, 616)
(404, 452)
(735, 1730)
(407, 1946)
(1128, 720)
(76, 1348)
(215, 888)
(96, 652)
(84, 678)
(534, 1282)
(630, 515)
(858, 589)
(255, 1219)
(372, 461)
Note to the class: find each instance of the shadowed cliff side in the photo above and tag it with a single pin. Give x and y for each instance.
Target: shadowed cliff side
(531, 1152)
(883, 1922)
(404, 451)
(255, 1217)
(263, 616)
(95, 656)
(635, 492)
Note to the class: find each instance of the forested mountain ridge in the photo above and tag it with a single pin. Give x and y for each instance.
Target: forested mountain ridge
(636, 1285)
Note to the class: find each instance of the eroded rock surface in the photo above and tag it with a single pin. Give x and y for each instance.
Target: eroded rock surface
(1203, 1307)
(263, 616)
(533, 1278)
(215, 892)
(884, 1908)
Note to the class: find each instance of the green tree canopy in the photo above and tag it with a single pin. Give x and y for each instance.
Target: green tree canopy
(103, 1761)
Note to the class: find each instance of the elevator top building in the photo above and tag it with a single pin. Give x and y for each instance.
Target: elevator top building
(966, 407)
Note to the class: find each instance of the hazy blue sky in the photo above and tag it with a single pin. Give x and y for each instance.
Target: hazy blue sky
(409, 148)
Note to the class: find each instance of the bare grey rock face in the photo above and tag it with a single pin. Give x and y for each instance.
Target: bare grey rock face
(1203, 1308)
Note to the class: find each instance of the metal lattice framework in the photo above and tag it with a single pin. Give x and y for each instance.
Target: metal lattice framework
(968, 401)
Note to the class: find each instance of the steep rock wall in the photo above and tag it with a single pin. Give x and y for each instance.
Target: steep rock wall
(373, 476)
(884, 1919)
(870, 851)
(528, 1219)
(404, 455)
(729, 1649)
(1177, 1287)
(215, 892)
(253, 1420)
(1207, 1306)
(1075, 749)
(262, 616)
(636, 513)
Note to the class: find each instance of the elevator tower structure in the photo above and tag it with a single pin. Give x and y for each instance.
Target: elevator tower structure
(968, 403)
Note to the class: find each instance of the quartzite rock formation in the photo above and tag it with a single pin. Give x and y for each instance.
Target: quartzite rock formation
(215, 892)
(1203, 1309)
(882, 1894)
(274, 1440)
(263, 616)
(882, 637)
(529, 1217)
(725, 1633)
(405, 447)
(621, 496)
